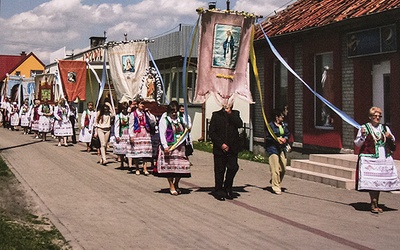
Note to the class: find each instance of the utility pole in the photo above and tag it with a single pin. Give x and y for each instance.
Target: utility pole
(227, 4)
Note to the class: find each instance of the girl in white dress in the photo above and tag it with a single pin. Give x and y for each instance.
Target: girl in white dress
(62, 124)
(85, 135)
(24, 115)
(45, 112)
(14, 116)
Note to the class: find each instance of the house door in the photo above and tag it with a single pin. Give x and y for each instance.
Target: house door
(381, 88)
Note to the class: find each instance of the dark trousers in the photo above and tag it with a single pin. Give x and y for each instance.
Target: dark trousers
(72, 120)
(225, 166)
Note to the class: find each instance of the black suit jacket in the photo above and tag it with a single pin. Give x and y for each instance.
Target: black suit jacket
(224, 129)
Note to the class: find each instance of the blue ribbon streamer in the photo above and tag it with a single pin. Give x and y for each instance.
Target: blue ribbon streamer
(185, 59)
(103, 79)
(343, 115)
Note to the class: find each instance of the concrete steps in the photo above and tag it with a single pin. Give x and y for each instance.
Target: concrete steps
(338, 170)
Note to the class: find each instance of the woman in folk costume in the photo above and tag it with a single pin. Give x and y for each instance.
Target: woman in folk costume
(45, 118)
(14, 116)
(24, 115)
(376, 170)
(121, 131)
(62, 124)
(139, 136)
(34, 117)
(103, 128)
(172, 163)
(85, 134)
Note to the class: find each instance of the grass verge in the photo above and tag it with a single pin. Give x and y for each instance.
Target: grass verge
(245, 155)
(20, 228)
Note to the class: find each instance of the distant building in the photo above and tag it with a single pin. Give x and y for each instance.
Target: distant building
(20, 66)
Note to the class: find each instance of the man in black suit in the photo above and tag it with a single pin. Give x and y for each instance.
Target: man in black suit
(224, 135)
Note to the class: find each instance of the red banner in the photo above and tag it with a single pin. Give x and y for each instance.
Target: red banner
(73, 78)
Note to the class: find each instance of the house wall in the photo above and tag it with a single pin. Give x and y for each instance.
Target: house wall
(30, 64)
(363, 90)
(352, 86)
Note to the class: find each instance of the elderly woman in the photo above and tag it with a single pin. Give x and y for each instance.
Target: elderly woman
(376, 170)
(172, 162)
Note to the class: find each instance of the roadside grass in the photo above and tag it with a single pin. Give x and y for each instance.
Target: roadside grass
(20, 228)
(244, 155)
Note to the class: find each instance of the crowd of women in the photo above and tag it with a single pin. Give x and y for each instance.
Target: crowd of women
(138, 138)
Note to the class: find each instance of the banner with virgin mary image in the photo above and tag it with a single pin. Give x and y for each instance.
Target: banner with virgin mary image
(128, 63)
(223, 57)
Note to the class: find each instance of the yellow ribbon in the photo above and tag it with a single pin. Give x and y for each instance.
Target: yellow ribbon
(180, 140)
(255, 70)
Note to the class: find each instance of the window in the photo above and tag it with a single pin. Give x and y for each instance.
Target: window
(36, 72)
(280, 85)
(324, 85)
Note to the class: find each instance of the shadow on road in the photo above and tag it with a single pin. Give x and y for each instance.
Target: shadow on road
(20, 145)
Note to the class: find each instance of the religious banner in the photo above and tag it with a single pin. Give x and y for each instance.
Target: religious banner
(73, 78)
(128, 63)
(44, 87)
(223, 57)
(150, 88)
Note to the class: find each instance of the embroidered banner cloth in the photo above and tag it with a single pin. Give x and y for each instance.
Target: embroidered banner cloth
(44, 87)
(223, 57)
(73, 78)
(128, 63)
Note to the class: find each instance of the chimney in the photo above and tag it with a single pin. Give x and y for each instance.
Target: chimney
(96, 41)
(23, 54)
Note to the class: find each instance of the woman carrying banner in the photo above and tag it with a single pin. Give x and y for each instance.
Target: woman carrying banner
(45, 112)
(85, 134)
(24, 115)
(121, 131)
(140, 121)
(172, 162)
(103, 128)
(376, 170)
(62, 124)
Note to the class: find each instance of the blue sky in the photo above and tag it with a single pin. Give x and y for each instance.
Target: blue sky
(42, 27)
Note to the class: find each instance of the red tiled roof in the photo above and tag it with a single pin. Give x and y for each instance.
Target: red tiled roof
(7, 63)
(305, 14)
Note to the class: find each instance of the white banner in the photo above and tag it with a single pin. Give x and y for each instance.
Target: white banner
(128, 63)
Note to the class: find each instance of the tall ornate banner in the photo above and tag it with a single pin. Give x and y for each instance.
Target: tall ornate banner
(128, 63)
(73, 78)
(223, 57)
(44, 87)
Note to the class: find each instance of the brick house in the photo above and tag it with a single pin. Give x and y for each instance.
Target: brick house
(347, 51)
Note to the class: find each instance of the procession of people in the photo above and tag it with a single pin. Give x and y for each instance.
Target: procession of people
(162, 143)
(130, 129)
